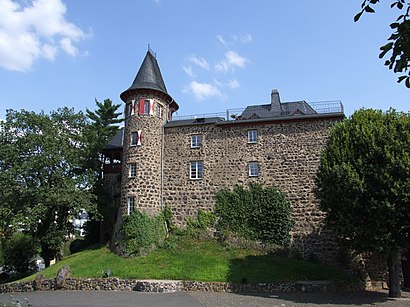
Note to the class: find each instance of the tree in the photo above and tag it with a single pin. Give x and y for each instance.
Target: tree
(42, 175)
(363, 184)
(102, 129)
(19, 252)
(399, 42)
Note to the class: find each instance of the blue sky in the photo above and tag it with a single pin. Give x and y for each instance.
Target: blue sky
(214, 54)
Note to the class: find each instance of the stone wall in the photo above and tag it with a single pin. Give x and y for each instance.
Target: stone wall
(288, 153)
(145, 187)
(118, 284)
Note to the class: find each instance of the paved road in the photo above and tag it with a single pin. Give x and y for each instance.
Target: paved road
(107, 298)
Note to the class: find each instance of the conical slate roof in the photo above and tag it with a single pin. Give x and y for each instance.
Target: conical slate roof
(148, 77)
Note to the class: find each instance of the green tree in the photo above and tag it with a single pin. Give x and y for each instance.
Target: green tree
(363, 184)
(19, 252)
(398, 45)
(42, 175)
(103, 127)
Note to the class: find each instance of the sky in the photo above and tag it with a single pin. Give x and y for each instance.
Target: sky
(214, 55)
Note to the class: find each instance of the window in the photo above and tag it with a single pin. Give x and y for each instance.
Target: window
(252, 136)
(196, 141)
(132, 170)
(196, 170)
(159, 110)
(130, 205)
(253, 169)
(146, 106)
(134, 138)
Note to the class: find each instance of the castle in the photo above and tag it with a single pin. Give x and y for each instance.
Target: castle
(158, 160)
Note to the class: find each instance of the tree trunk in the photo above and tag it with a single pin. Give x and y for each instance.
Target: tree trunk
(47, 262)
(393, 264)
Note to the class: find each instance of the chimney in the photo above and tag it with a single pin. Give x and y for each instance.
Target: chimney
(275, 103)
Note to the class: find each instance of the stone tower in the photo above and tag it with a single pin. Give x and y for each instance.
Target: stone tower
(148, 106)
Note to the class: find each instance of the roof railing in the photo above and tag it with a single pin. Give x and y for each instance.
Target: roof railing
(320, 107)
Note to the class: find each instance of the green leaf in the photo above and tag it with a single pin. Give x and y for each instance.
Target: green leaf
(368, 9)
(401, 78)
(394, 25)
(357, 17)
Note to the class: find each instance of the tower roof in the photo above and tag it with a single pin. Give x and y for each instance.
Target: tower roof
(148, 77)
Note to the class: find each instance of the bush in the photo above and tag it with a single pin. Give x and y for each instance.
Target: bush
(142, 233)
(257, 213)
(19, 252)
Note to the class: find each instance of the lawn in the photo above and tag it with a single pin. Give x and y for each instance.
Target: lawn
(191, 259)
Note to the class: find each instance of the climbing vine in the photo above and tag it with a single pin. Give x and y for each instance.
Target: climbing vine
(255, 213)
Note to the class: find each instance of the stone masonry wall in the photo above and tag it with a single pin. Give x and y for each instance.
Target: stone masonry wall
(145, 187)
(288, 153)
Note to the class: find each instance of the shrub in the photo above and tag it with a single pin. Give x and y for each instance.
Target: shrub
(197, 227)
(19, 252)
(142, 232)
(257, 213)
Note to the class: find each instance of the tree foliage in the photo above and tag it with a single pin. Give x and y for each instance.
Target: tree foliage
(43, 175)
(19, 252)
(257, 213)
(363, 182)
(398, 45)
(102, 129)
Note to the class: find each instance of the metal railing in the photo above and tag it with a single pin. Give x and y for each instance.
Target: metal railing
(302, 108)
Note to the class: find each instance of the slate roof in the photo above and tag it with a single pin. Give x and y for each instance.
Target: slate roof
(194, 121)
(148, 77)
(288, 108)
(116, 141)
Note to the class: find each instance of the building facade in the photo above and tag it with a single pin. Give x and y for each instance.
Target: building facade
(159, 160)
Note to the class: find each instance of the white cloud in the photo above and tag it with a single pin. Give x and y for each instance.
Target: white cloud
(202, 91)
(241, 38)
(33, 31)
(197, 60)
(233, 84)
(230, 62)
(188, 71)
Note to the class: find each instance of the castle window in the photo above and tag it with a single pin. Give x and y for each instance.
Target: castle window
(130, 205)
(132, 170)
(252, 136)
(146, 106)
(159, 110)
(196, 170)
(134, 138)
(196, 141)
(253, 169)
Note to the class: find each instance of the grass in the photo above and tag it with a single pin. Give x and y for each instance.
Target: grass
(191, 259)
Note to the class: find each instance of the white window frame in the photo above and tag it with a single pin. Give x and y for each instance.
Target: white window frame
(252, 136)
(196, 140)
(196, 170)
(132, 170)
(253, 169)
(134, 138)
(130, 204)
(159, 110)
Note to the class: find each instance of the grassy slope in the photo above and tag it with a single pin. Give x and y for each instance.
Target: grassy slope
(203, 260)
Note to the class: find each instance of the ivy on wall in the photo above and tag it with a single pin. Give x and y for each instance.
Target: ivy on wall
(255, 213)
(142, 232)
